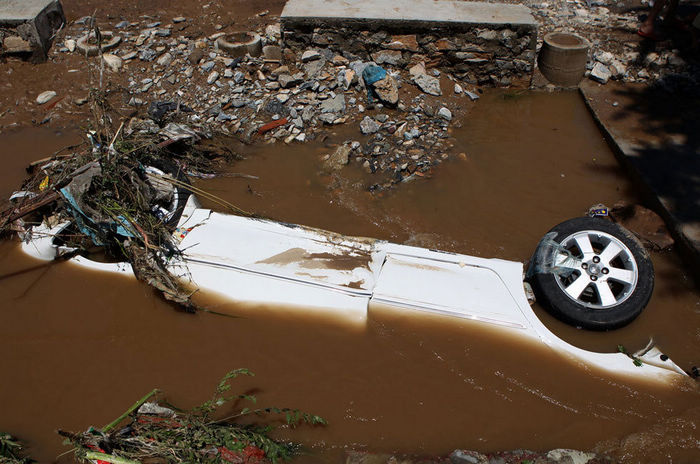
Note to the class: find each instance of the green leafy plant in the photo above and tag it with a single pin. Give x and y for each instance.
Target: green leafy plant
(195, 435)
(11, 450)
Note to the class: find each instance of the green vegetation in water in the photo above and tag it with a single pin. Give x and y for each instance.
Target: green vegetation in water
(11, 450)
(155, 433)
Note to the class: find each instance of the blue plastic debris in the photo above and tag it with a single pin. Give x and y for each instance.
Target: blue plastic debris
(371, 74)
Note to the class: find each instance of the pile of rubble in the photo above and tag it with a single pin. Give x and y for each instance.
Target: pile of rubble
(617, 53)
(402, 115)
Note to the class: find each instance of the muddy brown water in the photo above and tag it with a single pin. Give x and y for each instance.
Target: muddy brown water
(79, 347)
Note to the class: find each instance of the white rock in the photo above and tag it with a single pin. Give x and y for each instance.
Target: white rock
(458, 89)
(45, 97)
(572, 456)
(600, 73)
(605, 57)
(282, 98)
(70, 45)
(113, 61)
(445, 114)
(212, 77)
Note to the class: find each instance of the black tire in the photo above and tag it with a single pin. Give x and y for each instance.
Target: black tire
(170, 214)
(559, 269)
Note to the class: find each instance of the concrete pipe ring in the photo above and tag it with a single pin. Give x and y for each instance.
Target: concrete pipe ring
(109, 41)
(239, 43)
(563, 58)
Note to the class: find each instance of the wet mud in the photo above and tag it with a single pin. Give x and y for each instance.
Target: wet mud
(79, 347)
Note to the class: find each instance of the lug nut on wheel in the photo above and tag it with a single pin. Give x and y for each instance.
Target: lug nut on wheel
(596, 259)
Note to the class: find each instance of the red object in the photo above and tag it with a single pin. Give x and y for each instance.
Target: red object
(650, 35)
(272, 125)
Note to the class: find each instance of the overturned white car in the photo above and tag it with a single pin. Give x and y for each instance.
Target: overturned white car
(587, 271)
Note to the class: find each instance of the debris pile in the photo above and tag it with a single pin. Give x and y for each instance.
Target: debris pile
(402, 117)
(156, 433)
(11, 450)
(122, 192)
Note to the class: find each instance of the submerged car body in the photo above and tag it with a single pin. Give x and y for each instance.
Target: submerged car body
(259, 261)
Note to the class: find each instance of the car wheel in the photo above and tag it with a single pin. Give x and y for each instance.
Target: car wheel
(592, 273)
(169, 212)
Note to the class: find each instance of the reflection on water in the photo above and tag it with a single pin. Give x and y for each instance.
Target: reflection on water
(78, 348)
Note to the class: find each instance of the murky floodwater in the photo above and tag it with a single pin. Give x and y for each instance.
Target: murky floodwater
(79, 347)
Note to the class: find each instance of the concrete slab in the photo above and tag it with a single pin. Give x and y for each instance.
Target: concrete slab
(654, 135)
(35, 22)
(413, 12)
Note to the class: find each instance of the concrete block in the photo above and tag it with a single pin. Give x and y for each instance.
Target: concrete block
(414, 13)
(28, 27)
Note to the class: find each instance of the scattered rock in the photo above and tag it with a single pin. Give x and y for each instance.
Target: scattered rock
(213, 77)
(568, 456)
(333, 105)
(403, 42)
(165, 59)
(112, 61)
(387, 90)
(468, 457)
(70, 45)
(346, 78)
(458, 89)
(310, 55)
(369, 126)
(445, 114)
(428, 84)
(600, 73)
(392, 57)
(286, 81)
(45, 97)
(339, 158)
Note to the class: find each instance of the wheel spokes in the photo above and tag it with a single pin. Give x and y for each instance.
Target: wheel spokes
(605, 294)
(584, 244)
(611, 250)
(621, 275)
(578, 286)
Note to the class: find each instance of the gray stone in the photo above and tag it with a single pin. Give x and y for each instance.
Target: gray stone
(307, 114)
(207, 66)
(346, 78)
(162, 32)
(129, 56)
(147, 54)
(45, 97)
(328, 118)
(468, 457)
(568, 456)
(369, 126)
(392, 57)
(458, 89)
(238, 77)
(122, 25)
(604, 57)
(239, 102)
(333, 105)
(272, 53)
(600, 73)
(428, 84)
(473, 96)
(310, 55)
(179, 19)
(213, 77)
(286, 81)
(312, 68)
(165, 59)
(445, 114)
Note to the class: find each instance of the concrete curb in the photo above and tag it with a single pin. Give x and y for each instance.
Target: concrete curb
(626, 153)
